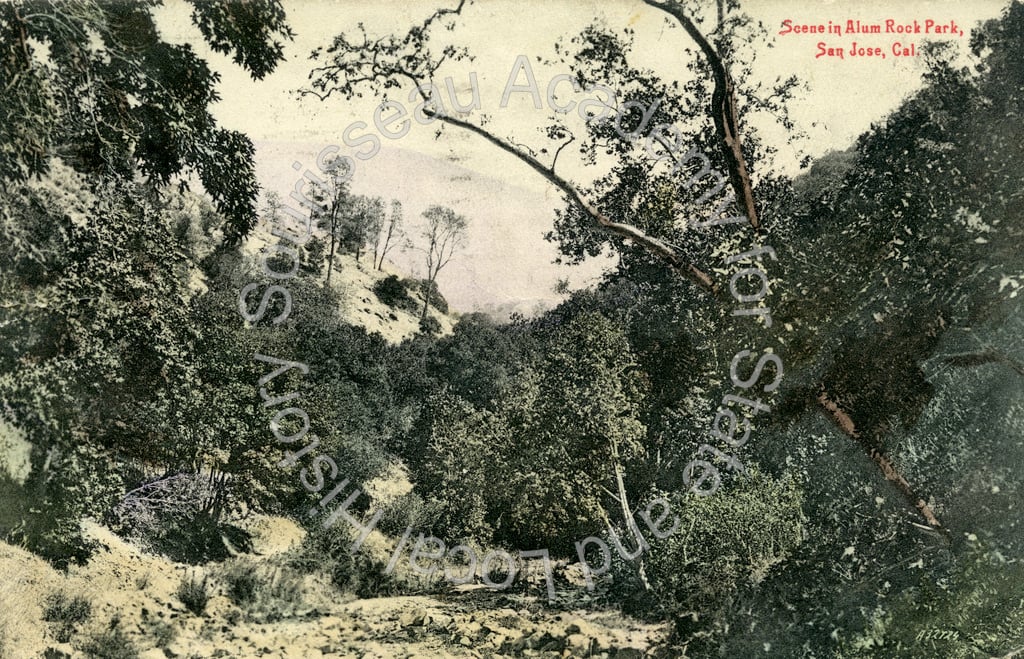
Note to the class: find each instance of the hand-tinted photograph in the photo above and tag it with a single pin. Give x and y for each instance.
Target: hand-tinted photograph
(484, 328)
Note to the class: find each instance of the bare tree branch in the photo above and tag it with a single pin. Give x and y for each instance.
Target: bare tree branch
(651, 244)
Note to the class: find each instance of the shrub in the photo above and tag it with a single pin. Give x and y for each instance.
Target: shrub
(84, 481)
(194, 594)
(315, 256)
(111, 643)
(394, 293)
(242, 582)
(278, 597)
(403, 511)
(162, 632)
(66, 612)
(976, 605)
(436, 299)
(166, 517)
(267, 595)
(722, 542)
(328, 551)
(498, 572)
(233, 617)
(430, 325)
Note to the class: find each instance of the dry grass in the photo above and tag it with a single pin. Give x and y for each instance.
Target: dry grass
(26, 579)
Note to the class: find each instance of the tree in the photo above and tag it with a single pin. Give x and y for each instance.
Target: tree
(637, 208)
(330, 203)
(363, 219)
(316, 252)
(352, 64)
(93, 84)
(583, 431)
(464, 453)
(387, 234)
(444, 234)
(97, 339)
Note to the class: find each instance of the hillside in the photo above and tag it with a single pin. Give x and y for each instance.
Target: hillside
(135, 608)
(354, 281)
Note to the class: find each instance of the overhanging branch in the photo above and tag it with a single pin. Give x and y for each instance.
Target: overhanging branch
(651, 244)
(723, 110)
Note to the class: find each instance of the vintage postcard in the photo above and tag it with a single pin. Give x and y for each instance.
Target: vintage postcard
(455, 328)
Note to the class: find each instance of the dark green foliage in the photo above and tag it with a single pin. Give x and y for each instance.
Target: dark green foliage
(166, 130)
(67, 612)
(394, 292)
(914, 328)
(534, 465)
(251, 30)
(430, 326)
(426, 287)
(363, 217)
(316, 253)
(117, 369)
(462, 461)
(480, 360)
(976, 610)
(403, 511)
(193, 593)
(83, 483)
(724, 544)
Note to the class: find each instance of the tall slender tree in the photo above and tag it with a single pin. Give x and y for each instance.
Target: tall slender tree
(331, 202)
(444, 234)
(388, 235)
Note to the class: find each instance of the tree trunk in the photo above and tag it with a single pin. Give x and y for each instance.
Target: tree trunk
(330, 259)
(843, 421)
(426, 298)
(627, 515)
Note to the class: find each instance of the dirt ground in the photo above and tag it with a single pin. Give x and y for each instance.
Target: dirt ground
(136, 594)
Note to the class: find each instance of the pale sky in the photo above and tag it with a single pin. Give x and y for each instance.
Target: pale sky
(509, 206)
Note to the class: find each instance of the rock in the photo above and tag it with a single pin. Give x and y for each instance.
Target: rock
(580, 626)
(414, 618)
(628, 653)
(579, 644)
